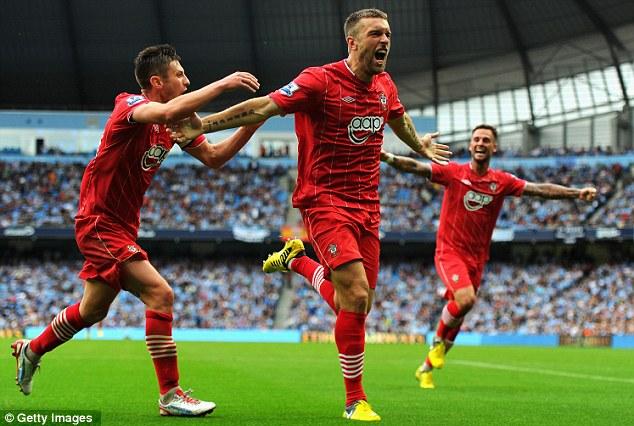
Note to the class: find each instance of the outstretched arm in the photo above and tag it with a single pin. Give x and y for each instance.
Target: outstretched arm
(553, 191)
(403, 127)
(252, 111)
(215, 155)
(406, 164)
(185, 105)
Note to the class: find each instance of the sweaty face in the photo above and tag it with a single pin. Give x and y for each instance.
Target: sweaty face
(482, 145)
(175, 82)
(372, 41)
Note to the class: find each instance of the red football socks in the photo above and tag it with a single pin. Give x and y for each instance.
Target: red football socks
(350, 340)
(63, 327)
(158, 337)
(314, 273)
(449, 319)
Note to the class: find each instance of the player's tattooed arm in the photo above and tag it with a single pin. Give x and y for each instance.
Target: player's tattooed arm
(554, 192)
(404, 128)
(249, 112)
(406, 164)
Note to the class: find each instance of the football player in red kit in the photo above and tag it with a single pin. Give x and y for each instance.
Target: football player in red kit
(474, 195)
(135, 142)
(340, 112)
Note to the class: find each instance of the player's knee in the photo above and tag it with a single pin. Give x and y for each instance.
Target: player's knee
(358, 297)
(165, 296)
(161, 298)
(465, 303)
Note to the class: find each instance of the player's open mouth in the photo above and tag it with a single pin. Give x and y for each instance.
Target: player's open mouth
(380, 55)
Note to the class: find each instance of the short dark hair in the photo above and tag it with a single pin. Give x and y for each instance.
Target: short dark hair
(153, 60)
(486, 127)
(351, 21)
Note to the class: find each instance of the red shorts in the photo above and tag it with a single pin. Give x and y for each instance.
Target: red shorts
(105, 245)
(340, 236)
(456, 272)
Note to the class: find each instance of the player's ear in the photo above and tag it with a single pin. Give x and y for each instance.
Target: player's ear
(156, 82)
(352, 44)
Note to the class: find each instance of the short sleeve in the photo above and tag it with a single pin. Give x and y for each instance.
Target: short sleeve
(442, 174)
(300, 94)
(396, 111)
(124, 106)
(512, 184)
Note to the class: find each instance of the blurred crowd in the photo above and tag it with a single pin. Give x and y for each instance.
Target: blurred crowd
(180, 197)
(411, 203)
(533, 299)
(540, 152)
(188, 197)
(209, 294)
(539, 298)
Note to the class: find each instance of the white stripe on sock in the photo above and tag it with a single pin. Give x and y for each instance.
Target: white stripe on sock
(318, 278)
(162, 351)
(61, 327)
(351, 365)
(449, 320)
(166, 355)
(352, 357)
(160, 346)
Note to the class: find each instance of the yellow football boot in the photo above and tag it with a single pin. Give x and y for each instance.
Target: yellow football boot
(362, 411)
(278, 261)
(436, 354)
(425, 379)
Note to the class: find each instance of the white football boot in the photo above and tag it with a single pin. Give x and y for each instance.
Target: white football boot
(178, 403)
(24, 367)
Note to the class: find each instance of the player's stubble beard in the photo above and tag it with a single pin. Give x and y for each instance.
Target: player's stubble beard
(372, 66)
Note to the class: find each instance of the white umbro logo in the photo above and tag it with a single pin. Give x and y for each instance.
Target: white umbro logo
(348, 99)
(466, 181)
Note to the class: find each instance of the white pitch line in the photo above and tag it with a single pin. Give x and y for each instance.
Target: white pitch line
(540, 371)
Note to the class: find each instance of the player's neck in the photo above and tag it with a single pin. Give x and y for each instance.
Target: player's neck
(480, 168)
(151, 95)
(356, 68)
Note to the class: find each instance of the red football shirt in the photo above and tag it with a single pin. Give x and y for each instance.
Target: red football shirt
(339, 123)
(470, 207)
(128, 156)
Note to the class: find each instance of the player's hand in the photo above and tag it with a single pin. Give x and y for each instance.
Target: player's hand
(187, 129)
(240, 80)
(588, 194)
(436, 152)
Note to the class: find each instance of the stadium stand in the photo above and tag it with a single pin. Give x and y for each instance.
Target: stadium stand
(532, 299)
(251, 195)
(235, 195)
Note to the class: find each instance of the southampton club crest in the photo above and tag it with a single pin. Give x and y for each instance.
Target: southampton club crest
(383, 100)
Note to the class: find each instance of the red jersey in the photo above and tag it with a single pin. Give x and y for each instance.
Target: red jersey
(470, 207)
(339, 123)
(128, 156)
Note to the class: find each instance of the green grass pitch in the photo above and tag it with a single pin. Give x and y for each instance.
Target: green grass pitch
(297, 384)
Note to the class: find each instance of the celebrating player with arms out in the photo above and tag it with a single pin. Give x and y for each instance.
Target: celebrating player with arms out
(340, 112)
(134, 144)
(474, 195)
